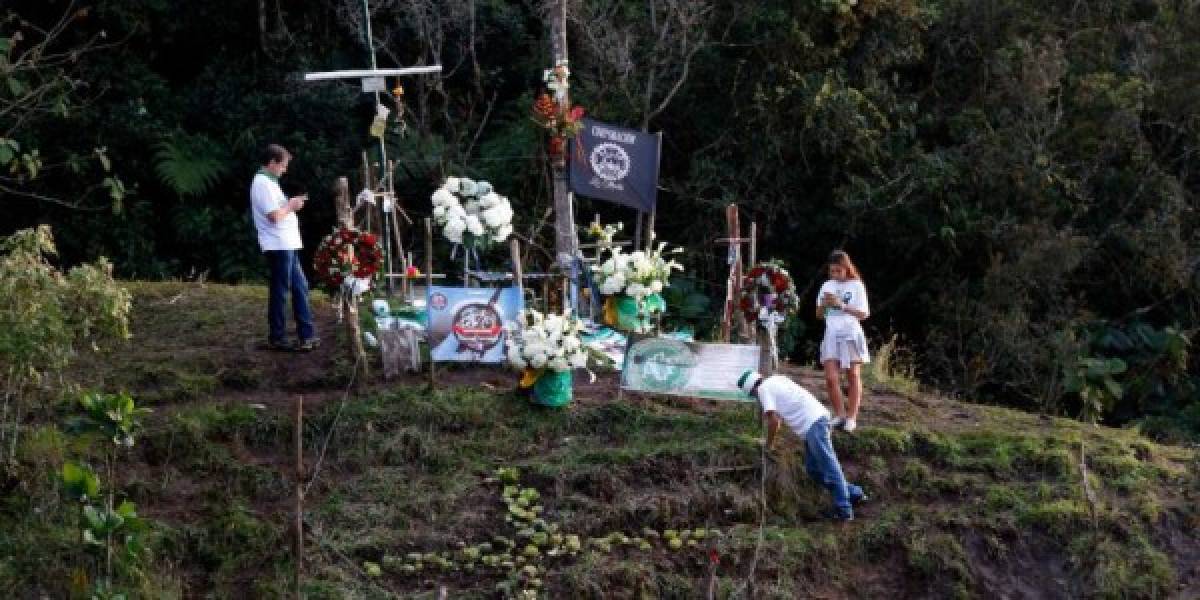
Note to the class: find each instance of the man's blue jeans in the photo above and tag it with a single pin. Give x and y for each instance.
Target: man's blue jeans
(287, 276)
(823, 467)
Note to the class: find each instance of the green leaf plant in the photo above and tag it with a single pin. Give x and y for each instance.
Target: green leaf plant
(114, 530)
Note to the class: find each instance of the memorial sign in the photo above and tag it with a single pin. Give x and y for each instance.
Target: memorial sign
(668, 366)
(467, 324)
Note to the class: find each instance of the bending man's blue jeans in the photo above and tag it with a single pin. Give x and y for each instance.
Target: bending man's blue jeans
(823, 467)
(287, 276)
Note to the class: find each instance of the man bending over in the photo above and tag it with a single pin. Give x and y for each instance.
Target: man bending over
(785, 401)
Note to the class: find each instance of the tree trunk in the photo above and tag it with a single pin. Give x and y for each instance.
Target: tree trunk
(566, 244)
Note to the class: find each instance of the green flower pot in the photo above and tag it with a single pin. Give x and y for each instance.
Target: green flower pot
(629, 318)
(553, 388)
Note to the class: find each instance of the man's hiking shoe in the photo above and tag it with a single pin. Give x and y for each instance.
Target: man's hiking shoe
(308, 345)
(860, 499)
(837, 422)
(836, 515)
(279, 346)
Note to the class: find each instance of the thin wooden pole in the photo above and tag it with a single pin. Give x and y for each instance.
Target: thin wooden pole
(753, 244)
(369, 186)
(298, 524)
(514, 246)
(751, 327)
(360, 353)
(566, 296)
(650, 227)
(341, 198)
(397, 238)
(637, 231)
(733, 283)
(428, 288)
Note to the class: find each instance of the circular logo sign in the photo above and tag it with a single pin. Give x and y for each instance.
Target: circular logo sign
(609, 161)
(659, 364)
(437, 301)
(477, 326)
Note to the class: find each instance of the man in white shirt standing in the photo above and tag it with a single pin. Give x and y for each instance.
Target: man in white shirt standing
(784, 401)
(279, 238)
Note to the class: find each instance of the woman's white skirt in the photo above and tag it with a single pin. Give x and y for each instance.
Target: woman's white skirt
(846, 347)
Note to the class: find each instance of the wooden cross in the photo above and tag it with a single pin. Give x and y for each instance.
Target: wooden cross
(733, 284)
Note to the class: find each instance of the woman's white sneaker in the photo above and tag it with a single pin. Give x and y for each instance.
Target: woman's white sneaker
(849, 426)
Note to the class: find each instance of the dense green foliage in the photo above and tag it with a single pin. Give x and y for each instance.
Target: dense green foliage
(47, 318)
(1012, 176)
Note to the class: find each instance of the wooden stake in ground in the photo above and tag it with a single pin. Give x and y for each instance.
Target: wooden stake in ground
(298, 524)
(348, 300)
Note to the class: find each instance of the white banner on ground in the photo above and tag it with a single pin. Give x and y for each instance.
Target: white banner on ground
(668, 366)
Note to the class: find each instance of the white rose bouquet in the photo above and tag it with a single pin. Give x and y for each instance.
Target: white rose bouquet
(537, 341)
(471, 213)
(638, 274)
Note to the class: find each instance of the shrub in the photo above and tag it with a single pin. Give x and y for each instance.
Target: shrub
(46, 316)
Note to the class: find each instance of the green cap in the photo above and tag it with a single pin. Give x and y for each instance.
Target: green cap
(742, 380)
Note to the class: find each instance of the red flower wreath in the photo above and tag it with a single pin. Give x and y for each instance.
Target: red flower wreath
(768, 285)
(346, 253)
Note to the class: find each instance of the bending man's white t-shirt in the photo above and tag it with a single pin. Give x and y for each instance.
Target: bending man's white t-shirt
(794, 404)
(266, 197)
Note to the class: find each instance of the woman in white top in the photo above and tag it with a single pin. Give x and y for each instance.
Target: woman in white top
(842, 303)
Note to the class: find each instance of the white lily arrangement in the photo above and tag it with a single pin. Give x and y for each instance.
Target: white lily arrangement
(537, 341)
(637, 274)
(471, 212)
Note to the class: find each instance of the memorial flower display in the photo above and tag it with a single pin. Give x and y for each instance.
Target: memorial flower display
(553, 112)
(768, 299)
(633, 283)
(768, 291)
(546, 348)
(471, 213)
(347, 257)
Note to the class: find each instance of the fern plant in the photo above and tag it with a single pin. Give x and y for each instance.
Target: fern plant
(189, 164)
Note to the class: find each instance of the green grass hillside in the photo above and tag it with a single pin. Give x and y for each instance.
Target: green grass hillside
(420, 490)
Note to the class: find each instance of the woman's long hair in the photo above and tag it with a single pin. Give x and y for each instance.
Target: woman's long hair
(839, 257)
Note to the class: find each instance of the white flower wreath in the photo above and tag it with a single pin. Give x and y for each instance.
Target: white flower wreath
(471, 213)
